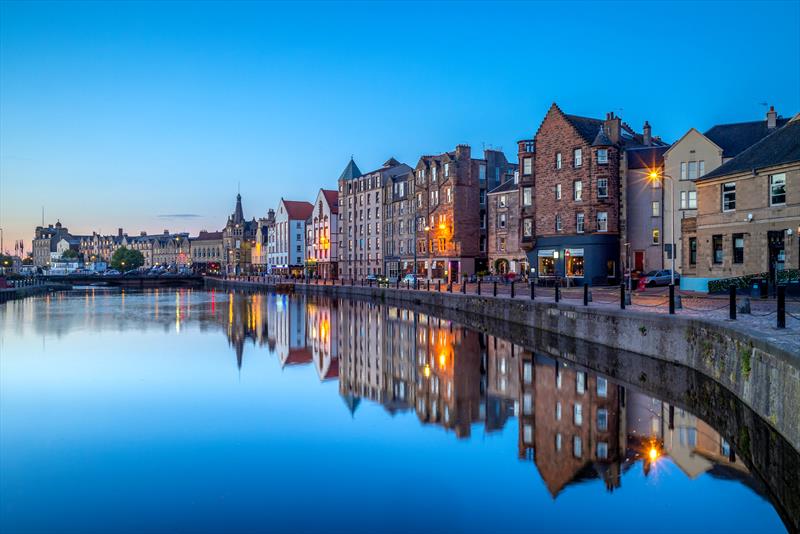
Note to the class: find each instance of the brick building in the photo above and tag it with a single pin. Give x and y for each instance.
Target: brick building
(527, 195)
(504, 230)
(449, 201)
(580, 208)
(361, 209)
(748, 213)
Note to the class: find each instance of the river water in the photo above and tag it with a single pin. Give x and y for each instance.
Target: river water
(206, 411)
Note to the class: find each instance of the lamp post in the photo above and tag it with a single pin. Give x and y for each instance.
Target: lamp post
(654, 176)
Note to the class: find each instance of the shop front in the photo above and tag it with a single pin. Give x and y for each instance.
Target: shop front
(577, 259)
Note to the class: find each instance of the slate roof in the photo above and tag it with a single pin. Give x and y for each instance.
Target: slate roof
(646, 158)
(351, 171)
(586, 126)
(735, 138)
(298, 209)
(208, 236)
(508, 185)
(779, 147)
(602, 139)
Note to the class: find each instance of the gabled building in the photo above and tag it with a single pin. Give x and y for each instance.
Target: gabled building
(361, 210)
(580, 203)
(260, 251)
(322, 236)
(398, 226)
(696, 154)
(288, 256)
(748, 213)
(506, 254)
(45, 240)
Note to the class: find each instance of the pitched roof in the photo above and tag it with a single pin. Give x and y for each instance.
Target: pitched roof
(646, 158)
(351, 171)
(601, 139)
(779, 147)
(735, 138)
(298, 209)
(332, 198)
(208, 236)
(508, 185)
(586, 126)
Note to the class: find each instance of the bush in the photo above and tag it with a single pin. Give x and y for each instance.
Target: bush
(723, 285)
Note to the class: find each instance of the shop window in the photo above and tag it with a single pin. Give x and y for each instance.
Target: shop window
(575, 265)
(547, 266)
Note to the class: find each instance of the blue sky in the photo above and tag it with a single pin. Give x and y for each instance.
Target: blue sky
(116, 114)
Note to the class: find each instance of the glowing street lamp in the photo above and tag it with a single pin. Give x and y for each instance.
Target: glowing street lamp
(656, 177)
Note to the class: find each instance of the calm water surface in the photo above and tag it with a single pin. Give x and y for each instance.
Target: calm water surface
(202, 411)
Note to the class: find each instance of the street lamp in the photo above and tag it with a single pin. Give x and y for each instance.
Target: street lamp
(654, 177)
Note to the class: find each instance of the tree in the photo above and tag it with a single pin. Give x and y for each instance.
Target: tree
(70, 254)
(125, 259)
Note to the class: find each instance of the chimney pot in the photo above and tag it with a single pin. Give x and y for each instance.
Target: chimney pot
(772, 118)
(646, 134)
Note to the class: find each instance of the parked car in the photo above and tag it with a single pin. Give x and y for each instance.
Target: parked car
(658, 278)
(409, 279)
(111, 272)
(376, 278)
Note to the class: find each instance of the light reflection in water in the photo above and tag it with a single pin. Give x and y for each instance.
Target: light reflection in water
(576, 426)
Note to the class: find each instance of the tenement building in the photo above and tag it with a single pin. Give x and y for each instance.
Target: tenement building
(264, 227)
(322, 236)
(748, 213)
(450, 211)
(398, 226)
(207, 252)
(505, 252)
(580, 216)
(288, 256)
(696, 154)
(45, 241)
(526, 184)
(361, 205)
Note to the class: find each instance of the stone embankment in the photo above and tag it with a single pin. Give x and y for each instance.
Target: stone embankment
(764, 375)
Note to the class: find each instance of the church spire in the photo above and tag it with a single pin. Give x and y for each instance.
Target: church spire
(238, 214)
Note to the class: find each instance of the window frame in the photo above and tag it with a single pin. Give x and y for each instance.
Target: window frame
(782, 175)
(728, 197)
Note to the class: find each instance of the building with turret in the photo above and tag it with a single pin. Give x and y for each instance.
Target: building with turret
(238, 238)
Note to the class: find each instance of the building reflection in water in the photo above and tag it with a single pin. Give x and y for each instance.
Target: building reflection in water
(575, 425)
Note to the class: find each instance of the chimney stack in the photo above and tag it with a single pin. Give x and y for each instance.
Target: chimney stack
(119, 232)
(612, 126)
(772, 118)
(646, 137)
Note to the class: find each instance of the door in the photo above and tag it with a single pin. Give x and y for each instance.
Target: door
(638, 260)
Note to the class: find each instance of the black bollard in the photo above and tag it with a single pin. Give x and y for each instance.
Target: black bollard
(585, 294)
(622, 296)
(732, 304)
(464, 286)
(512, 289)
(428, 285)
(781, 306)
(533, 289)
(494, 289)
(438, 286)
(450, 287)
(479, 286)
(558, 292)
(672, 299)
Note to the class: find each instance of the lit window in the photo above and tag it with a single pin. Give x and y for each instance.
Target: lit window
(656, 236)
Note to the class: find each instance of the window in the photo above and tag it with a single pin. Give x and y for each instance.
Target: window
(558, 160)
(579, 222)
(777, 190)
(558, 411)
(577, 414)
(434, 173)
(447, 169)
(577, 447)
(558, 191)
(683, 170)
(656, 208)
(482, 172)
(602, 221)
(527, 228)
(602, 419)
(602, 387)
(692, 251)
(738, 248)
(558, 441)
(580, 383)
(527, 196)
(716, 245)
(527, 166)
(701, 168)
(501, 220)
(602, 450)
(502, 244)
(449, 195)
(602, 187)
(503, 201)
(693, 170)
(578, 189)
(602, 156)
(729, 196)
(688, 200)
(558, 223)
(482, 196)
(578, 157)
(656, 236)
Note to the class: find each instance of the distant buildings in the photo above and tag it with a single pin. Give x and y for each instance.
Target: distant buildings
(238, 238)
(45, 241)
(208, 252)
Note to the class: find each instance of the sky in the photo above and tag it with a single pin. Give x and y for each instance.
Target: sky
(150, 116)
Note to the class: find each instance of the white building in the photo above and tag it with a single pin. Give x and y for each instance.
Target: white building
(287, 250)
